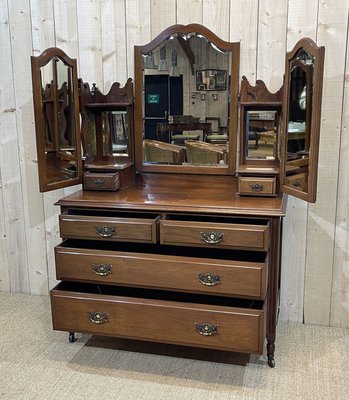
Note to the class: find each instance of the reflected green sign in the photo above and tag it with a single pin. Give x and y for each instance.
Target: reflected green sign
(153, 98)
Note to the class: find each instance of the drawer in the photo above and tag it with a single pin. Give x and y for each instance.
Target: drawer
(257, 186)
(101, 181)
(297, 181)
(158, 316)
(211, 234)
(108, 228)
(162, 270)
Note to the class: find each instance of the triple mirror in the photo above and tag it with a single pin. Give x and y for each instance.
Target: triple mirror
(186, 102)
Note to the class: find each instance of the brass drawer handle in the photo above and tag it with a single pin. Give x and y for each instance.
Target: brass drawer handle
(256, 187)
(101, 269)
(98, 181)
(105, 231)
(212, 237)
(209, 279)
(98, 317)
(296, 184)
(206, 329)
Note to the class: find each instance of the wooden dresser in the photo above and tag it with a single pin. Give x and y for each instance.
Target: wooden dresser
(196, 270)
(176, 243)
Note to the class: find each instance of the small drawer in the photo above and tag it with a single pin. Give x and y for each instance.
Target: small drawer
(102, 181)
(256, 186)
(220, 235)
(108, 228)
(162, 270)
(159, 316)
(297, 181)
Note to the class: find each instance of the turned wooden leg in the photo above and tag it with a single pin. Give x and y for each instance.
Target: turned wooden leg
(270, 353)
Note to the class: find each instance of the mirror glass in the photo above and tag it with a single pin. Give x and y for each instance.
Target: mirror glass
(113, 126)
(299, 120)
(58, 109)
(186, 84)
(261, 134)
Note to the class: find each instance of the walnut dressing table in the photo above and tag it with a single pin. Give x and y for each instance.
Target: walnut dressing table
(167, 252)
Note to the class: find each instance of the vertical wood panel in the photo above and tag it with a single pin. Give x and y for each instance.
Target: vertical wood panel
(340, 285)
(137, 28)
(90, 41)
(66, 27)
(302, 21)
(216, 17)
(332, 33)
(113, 42)
(162, 15)
(244, 28)
(272, 42)
(189, 15)
(10, 179)
(31, 204)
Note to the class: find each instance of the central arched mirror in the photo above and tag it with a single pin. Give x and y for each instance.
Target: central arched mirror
(186, 83)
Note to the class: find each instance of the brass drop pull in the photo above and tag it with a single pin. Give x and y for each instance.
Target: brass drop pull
(296, 184)
(209, 279)
(206, 329)
(105, 231)
(212, 237)
(98, 317)
(256, 187)
(99, 181)
(101, 269)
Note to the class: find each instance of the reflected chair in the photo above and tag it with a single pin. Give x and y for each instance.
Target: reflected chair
(218, 134)
(181, 138)
(205, 153)
(155, 151)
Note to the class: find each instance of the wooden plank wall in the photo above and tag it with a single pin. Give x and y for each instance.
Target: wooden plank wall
(101, 35)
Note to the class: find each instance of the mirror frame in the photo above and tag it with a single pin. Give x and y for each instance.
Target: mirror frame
(318, 54)
(36, 63)
(234, 48)
(258, 98)
(93, 100)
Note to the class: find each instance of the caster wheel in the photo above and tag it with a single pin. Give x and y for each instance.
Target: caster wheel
(71, 337)
(271, 361)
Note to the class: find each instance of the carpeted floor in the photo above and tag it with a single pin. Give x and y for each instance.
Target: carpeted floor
(39, 363)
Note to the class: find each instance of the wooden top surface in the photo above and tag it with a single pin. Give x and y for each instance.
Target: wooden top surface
(215, 195)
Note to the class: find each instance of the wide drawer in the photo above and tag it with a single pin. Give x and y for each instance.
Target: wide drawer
(220, 235)
(158, 316)
(164, 270)
(108, 228)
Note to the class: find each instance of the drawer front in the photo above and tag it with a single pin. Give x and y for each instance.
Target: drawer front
(185, 233)
(217, 277)
(101, 181)
(217, 327)
(105, 228)
(297, 181)
(257, 186)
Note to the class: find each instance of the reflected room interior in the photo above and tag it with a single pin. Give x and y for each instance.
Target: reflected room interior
(186, 100)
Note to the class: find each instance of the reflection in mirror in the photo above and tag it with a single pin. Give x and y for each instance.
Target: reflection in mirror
(115, 133)
(186, 101)
(261, 134)
(299, 120)
(58, 111)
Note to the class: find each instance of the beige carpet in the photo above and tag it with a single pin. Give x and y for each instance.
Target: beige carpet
(38, 363)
